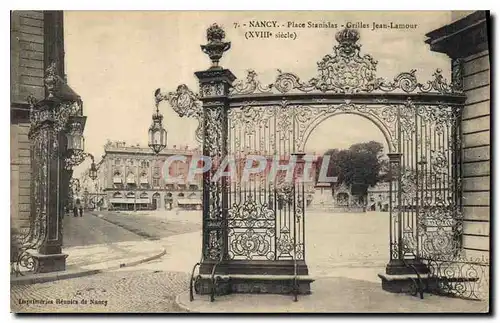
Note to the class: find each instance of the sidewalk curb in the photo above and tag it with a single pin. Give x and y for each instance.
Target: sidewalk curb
(183, 306)
(48, 277)
(54, 276)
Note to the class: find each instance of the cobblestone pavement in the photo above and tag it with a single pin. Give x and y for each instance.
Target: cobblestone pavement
(335, 295)
(117, 291)
(343, 251)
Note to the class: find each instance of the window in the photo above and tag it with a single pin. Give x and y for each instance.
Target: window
(117, 180)
(156, 182)
(144, 180)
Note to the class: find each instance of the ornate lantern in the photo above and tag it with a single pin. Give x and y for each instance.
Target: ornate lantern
(74, 135)
(157, 134)
(93, 171)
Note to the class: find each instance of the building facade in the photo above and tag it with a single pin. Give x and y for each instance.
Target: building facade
(36, 44)
(465, 41)
(33, 44)
(378, 197)
(131, 177)
(341, 199)
(47, 123)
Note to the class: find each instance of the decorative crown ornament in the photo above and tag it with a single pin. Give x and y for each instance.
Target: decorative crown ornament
(215, 47)
(347, 39)
(347, 35)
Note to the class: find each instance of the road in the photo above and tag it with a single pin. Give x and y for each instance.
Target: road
(155, 225)
(90, 230)
(338, 246)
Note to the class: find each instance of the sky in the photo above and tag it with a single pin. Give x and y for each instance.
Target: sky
(116, 59)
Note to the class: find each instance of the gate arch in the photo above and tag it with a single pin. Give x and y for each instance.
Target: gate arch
(245, 233)
(383, 127)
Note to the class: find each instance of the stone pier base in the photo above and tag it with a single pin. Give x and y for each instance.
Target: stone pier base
(253, 284)
(254, 277)
(49, 263)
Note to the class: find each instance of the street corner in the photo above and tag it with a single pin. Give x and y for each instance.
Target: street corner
(87, 264)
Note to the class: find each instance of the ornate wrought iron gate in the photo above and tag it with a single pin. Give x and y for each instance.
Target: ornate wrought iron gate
(258, 227)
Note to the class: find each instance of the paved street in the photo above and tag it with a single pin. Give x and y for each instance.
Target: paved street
(345, 252)
(351, 245)
(155, 225)
(90, 230)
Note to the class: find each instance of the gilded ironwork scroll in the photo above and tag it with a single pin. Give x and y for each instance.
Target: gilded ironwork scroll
(212, 190)
(185, 103)
(346, 71)
(50, 119)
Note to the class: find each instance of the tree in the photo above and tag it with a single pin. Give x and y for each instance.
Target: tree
(359, 166)
(373, 147)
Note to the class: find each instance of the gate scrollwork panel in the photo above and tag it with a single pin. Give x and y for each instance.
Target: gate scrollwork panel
(420, 121)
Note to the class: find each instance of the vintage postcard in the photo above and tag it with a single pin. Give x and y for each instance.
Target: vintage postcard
(250, 161)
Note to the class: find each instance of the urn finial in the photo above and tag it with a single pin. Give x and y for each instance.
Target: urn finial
(215, 47)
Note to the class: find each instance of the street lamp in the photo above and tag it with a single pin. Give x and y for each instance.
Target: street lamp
(74, 135)
(157, 134)
(93, 169)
